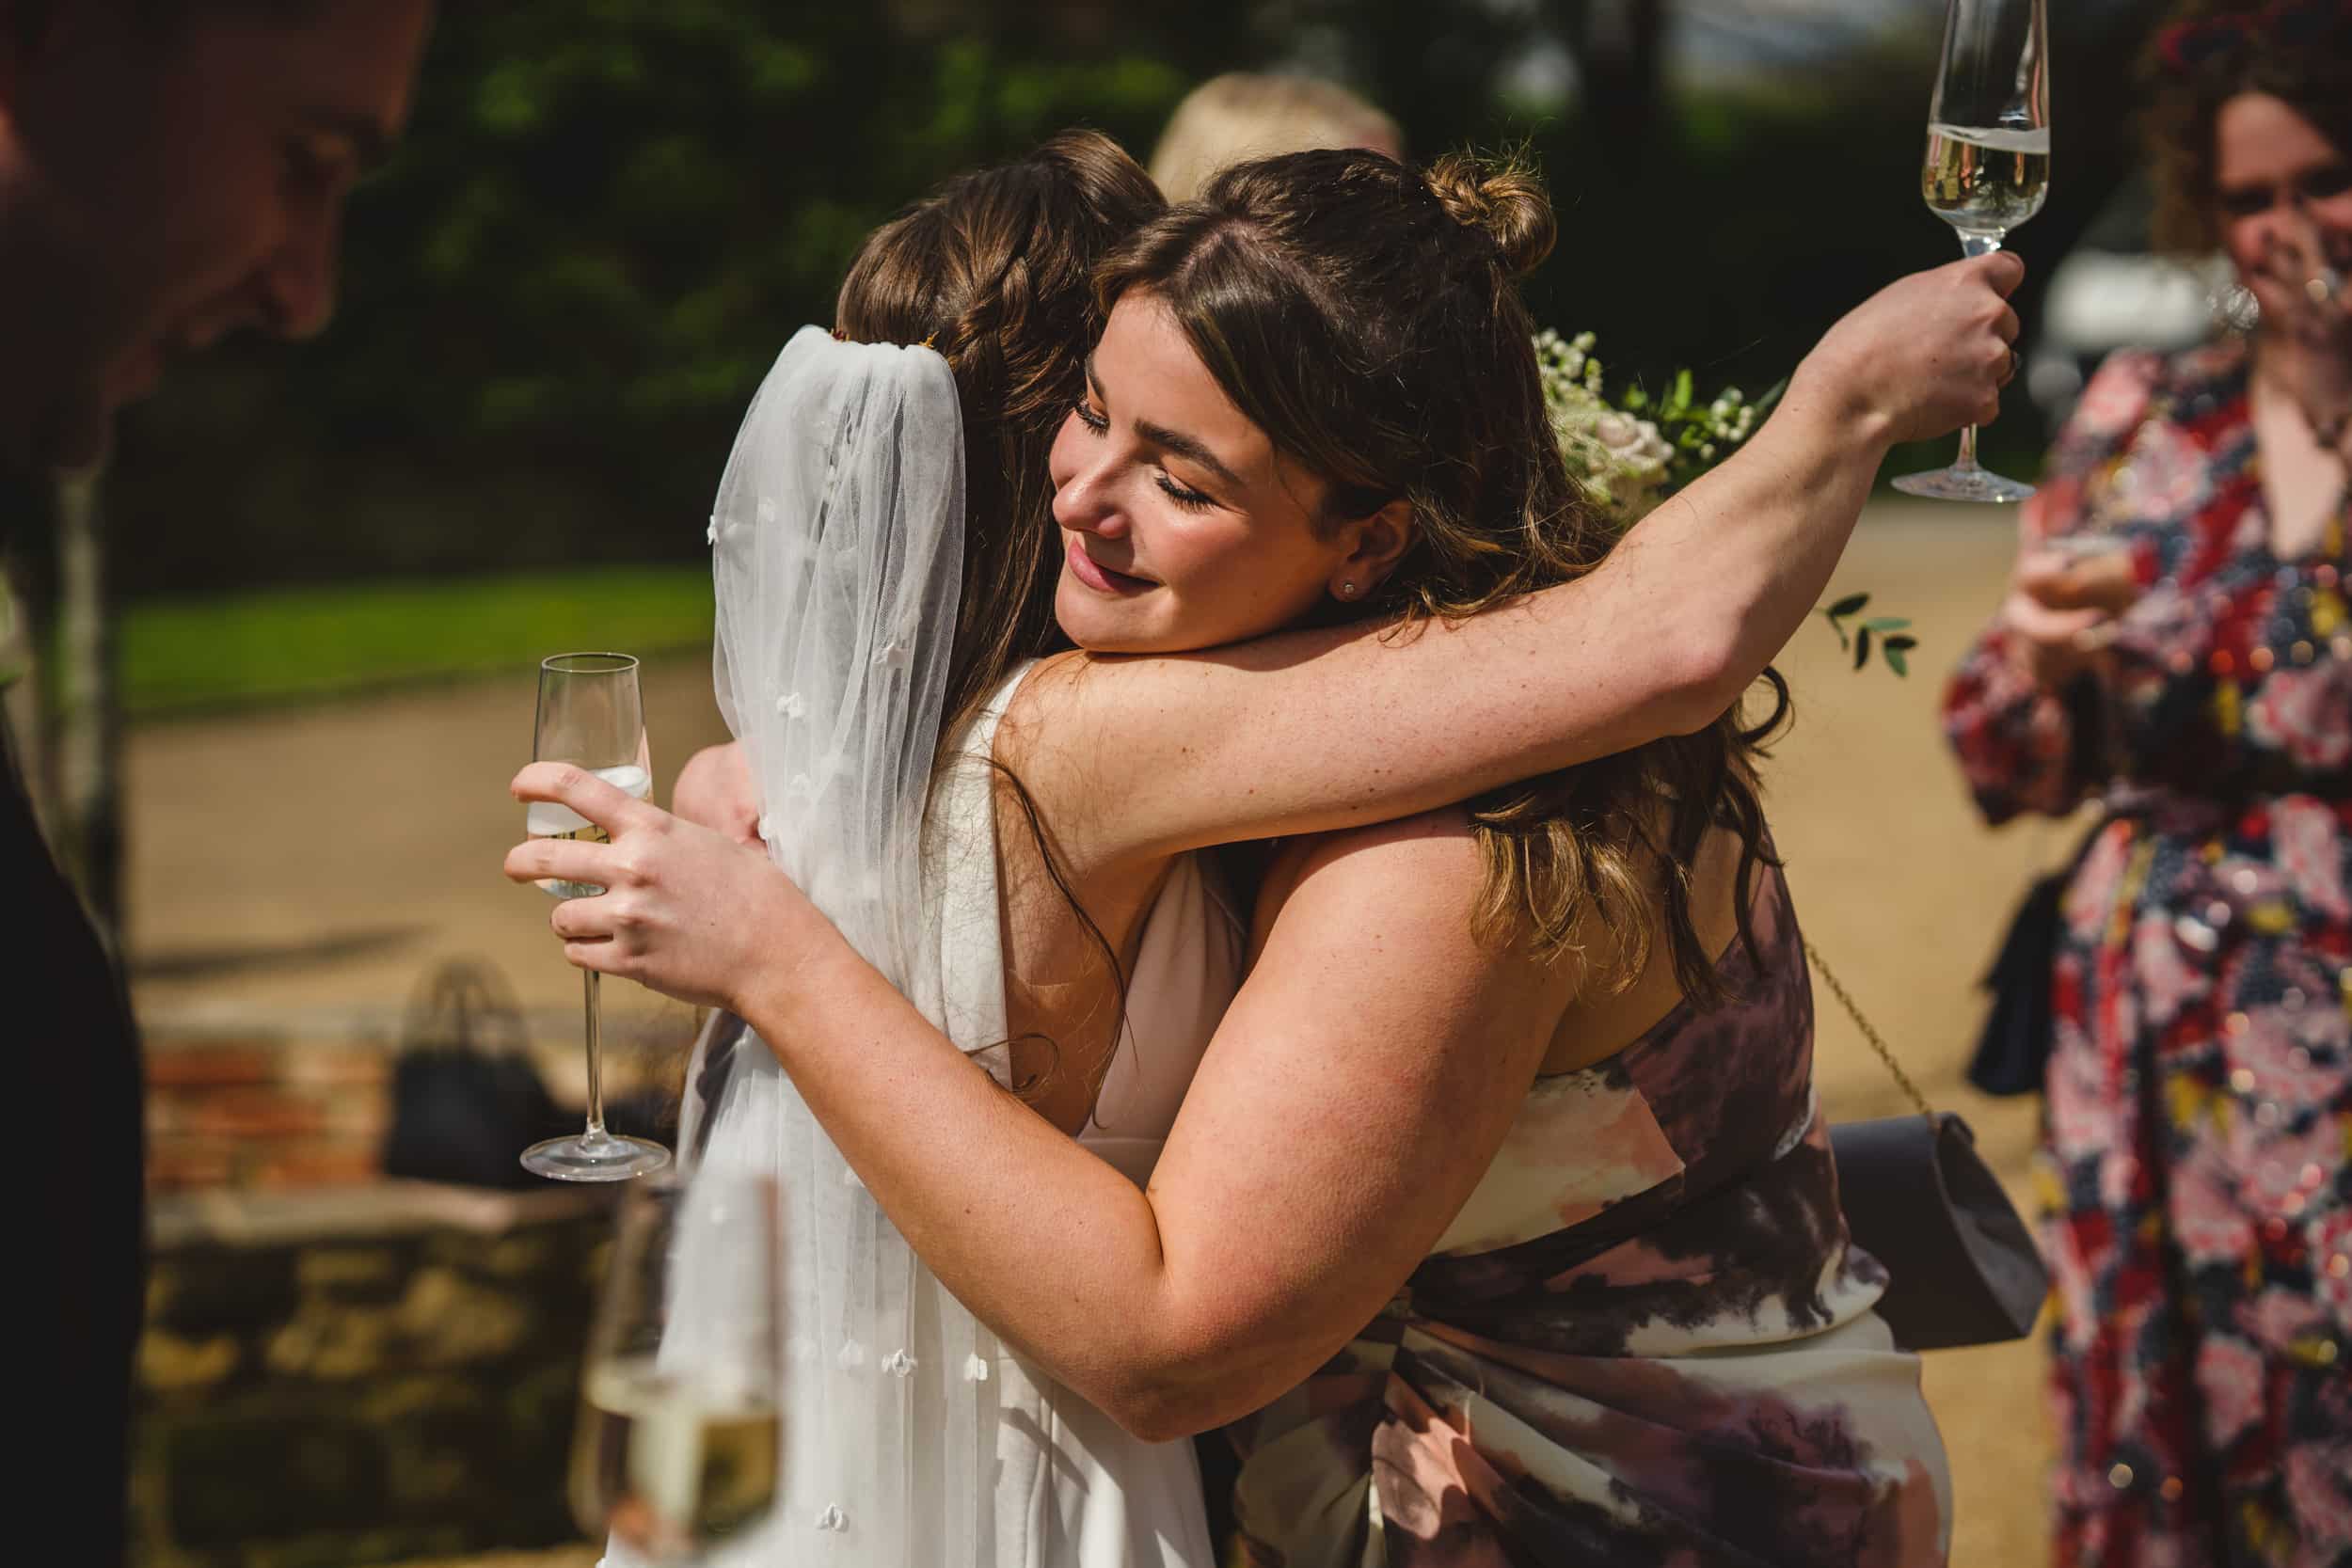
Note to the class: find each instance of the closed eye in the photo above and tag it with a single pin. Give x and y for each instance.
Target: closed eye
(1099, 423)
(1183, 496)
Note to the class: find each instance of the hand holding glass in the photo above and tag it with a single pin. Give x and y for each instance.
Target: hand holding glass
(1987, 170)
(591, 715)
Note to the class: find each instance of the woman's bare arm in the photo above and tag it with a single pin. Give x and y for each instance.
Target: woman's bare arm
(1133, 758)
(1351, 1099)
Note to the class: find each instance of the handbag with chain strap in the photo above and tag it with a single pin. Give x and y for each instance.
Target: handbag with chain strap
(1918, 1198)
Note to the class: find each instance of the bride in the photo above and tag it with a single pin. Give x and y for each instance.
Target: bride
(1321, 1151)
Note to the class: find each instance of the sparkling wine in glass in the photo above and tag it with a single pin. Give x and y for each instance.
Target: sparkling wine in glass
(679, 1444)
(1987, 169)
(591, 714)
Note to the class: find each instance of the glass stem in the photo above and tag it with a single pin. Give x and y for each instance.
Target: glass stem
(1973, 245)
(596, 1058)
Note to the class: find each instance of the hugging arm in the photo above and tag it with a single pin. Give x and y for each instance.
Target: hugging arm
(1313, 730)
(1351, 1099)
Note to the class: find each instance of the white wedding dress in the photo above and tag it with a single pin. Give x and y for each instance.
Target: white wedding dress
(909, 1439)
(1074, 1490)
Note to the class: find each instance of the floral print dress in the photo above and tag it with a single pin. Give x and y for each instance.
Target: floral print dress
(2199, 1111)
(1644, 1341)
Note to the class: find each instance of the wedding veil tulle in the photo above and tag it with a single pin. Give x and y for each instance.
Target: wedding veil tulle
(837, 544)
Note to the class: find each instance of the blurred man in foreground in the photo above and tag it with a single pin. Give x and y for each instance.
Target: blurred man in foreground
(170, 171)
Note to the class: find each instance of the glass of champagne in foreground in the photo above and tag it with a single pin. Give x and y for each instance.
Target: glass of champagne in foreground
(1988, 169)
(679, 1447)
(591, 714)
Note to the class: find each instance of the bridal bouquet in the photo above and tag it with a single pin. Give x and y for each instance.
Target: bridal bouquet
(1632, 453)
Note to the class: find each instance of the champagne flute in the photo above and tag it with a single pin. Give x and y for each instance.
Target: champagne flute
(678, 1446)
(592, 714)
(1987, 170)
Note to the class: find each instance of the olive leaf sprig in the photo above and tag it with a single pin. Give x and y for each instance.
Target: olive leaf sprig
(1895, 641)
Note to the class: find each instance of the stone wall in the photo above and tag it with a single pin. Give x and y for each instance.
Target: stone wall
(360, 1374)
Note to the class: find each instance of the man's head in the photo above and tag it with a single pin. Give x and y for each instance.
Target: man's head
(171, 170)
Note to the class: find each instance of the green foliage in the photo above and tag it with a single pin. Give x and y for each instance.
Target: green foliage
(608, 215)
(606, 220)
(1893, 638)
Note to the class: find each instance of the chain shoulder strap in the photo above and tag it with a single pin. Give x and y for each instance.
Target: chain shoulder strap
(1877, 1042)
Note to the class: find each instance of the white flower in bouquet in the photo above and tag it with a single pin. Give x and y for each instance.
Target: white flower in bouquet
(1633, 451)
(1630, 454)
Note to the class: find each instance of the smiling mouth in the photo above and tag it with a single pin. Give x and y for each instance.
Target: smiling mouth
(1101, 578)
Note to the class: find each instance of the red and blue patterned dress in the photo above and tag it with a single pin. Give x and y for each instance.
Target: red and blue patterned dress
(2198, 1127)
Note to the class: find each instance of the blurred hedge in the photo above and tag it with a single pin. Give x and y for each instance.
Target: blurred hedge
(609, 213)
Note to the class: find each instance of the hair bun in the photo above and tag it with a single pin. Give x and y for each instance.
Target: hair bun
(1504, 200)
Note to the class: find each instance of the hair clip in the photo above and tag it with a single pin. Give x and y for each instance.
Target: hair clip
(931, 340)
(840, 335)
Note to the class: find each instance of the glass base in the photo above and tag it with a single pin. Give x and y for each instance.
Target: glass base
(1957, 483)
(594, 1157)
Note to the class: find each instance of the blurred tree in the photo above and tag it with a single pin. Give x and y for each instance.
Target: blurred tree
(609, 213)
(607, 218)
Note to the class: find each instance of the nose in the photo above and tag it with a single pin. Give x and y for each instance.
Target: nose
(1083, 501)
(297, 281)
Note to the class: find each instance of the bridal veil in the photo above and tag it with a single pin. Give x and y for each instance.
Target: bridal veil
(837, 541)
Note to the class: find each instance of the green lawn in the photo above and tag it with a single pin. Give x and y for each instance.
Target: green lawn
(282, 643)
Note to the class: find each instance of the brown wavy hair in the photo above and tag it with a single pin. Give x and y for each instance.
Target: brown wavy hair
(994, 269)
(1365, 315)
(2211, 50)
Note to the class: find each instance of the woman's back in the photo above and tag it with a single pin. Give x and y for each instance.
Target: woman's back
(1644, 1330)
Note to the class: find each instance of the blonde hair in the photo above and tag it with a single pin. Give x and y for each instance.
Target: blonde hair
(1230, 119)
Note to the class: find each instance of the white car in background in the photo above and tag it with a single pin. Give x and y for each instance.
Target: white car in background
(2111, 292)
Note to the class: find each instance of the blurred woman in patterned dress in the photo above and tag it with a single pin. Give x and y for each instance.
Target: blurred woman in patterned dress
(2176, 644)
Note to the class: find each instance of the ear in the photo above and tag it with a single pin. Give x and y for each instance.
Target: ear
(1375, 544)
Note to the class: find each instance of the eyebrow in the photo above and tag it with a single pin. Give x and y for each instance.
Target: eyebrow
(1190, 448)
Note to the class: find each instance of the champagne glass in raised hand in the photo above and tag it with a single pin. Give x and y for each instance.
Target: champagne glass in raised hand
(591, 715)
(1988, 169)
(678, 1447)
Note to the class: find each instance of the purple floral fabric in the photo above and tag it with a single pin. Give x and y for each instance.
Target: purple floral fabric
(1644, 1341)
(2197, 1156)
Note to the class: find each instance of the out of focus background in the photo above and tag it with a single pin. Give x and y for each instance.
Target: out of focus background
(283, 651)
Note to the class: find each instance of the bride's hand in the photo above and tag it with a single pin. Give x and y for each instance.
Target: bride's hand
(1922, 356)
(715, 788)
(686, 910)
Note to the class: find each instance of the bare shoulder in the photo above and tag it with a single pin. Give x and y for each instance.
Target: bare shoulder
(1042, 700)
(1085, 716)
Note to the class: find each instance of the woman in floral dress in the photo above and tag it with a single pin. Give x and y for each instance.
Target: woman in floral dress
(2177, 644)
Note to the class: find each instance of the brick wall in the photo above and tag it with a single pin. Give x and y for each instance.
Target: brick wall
(292, 1101)
(270, 1112)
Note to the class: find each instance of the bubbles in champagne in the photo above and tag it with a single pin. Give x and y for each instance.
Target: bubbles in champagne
(1986, 179)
